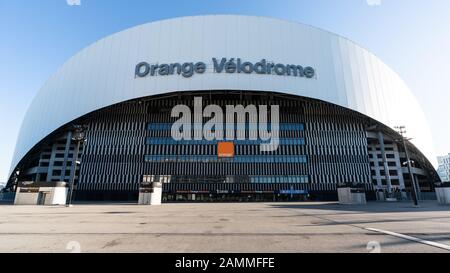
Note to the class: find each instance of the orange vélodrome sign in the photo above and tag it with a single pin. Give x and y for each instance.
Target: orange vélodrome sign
(225, 149)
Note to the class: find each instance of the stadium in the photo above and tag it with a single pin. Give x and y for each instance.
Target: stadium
(338, 108)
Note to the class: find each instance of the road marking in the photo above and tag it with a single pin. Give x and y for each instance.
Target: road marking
(410, 238)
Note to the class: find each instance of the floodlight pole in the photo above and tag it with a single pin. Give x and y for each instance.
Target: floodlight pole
(402, 131)
(78, 137)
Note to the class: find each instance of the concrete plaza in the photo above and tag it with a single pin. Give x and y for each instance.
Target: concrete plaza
(226, 227)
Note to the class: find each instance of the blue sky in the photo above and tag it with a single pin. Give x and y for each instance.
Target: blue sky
(38, 36)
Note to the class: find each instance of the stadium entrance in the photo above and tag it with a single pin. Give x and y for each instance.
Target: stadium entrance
(235, 197)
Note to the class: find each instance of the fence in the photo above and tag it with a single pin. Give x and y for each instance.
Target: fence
(7, 197)
(424, 196)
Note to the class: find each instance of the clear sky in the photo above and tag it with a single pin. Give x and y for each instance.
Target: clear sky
(38, 36)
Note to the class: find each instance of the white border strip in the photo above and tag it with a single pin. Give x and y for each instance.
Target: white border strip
(430, 243)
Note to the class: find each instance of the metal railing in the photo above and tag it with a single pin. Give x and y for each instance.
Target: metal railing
(7, 197)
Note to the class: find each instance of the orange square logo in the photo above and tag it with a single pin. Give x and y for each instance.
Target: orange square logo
(225, 149)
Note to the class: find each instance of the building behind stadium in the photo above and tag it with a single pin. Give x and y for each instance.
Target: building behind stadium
(444, 168)
(338, 108)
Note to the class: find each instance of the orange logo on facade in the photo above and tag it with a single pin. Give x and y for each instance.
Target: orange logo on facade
(225, 149)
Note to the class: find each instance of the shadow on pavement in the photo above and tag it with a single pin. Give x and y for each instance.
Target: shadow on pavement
(371, 207)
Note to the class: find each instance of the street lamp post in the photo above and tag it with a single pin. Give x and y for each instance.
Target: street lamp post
(402, 131)
(79, 137)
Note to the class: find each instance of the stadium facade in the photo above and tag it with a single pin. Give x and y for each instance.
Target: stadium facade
(338, 106)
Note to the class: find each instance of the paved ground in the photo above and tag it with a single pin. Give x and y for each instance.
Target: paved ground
(224, 227)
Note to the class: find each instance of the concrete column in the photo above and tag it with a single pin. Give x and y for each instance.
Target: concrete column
(399, 168)
(386, 166)
(66, 155)
(51, 162)
(38, 176)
